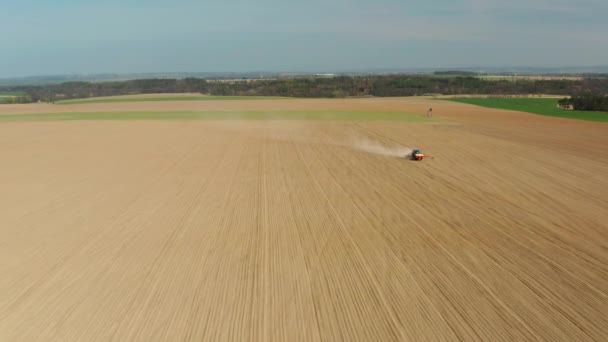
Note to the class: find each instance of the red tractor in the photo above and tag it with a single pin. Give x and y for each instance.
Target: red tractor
(416, 154)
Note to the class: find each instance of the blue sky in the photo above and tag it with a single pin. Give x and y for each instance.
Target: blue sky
(129, 36)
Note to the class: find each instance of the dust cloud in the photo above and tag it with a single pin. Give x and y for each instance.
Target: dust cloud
(368, 145)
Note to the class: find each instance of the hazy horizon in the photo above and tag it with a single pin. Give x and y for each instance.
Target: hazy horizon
(70, 37)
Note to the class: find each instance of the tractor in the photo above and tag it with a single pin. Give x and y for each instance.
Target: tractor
(416, 154)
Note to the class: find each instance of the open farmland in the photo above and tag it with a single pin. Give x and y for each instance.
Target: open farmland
(270, 229)
(9, 97)
(542, 106)
(6, 98)
(163, 97)
(220, 115)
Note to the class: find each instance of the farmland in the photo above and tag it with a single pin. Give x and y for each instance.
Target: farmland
(11, 93)
(162, 97)
(9, 97)
(5, 97)
(293, 220)
(218, 115)
(542, 106)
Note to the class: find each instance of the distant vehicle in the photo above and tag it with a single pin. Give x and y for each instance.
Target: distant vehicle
(416, 154)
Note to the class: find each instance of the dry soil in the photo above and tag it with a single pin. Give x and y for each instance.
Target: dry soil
(285, 231)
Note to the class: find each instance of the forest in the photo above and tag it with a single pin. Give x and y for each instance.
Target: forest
(586, 102)
(328, 87)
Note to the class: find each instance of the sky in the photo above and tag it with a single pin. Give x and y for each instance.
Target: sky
(41, 37)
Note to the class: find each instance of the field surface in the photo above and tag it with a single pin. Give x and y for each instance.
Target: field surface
(302, 229)
(220, 115)
(163, 97)
(542, 106)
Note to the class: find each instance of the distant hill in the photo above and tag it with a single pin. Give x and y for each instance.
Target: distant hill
(57, 79)
(95, 78)
(321, 86)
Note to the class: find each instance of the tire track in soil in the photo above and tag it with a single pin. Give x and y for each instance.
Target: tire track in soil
(292, 303)
(486, 266)
(345, 311)
(590, 259)
(421, 332)
(187, 281)
(456, 264)
(129, 237)
(78, 251)
(481, 243)
(359, 253)
(152, 285)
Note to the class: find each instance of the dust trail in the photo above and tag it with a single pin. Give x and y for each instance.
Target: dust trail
(373, 146)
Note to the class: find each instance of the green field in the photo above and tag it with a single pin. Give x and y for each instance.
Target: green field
(223, 115)
(541, 106)
(5, 96)
(11, 93)
(148, 98)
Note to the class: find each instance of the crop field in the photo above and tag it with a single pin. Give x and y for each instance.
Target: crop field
(220, 115)
(254, 227)
(542, 106)
(5, 97)
(162, 97)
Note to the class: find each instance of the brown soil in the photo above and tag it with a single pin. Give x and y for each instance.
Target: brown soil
(406, 104)
(262, 231)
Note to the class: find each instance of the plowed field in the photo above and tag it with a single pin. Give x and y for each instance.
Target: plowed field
(298, 230)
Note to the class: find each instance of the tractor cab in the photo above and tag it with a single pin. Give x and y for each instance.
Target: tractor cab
(417, 154)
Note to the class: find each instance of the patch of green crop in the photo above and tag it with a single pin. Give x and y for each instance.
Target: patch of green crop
(541, 106)
(11, 93)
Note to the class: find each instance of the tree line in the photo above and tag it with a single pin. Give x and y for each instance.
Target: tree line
(334, 87)
(586, 102)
